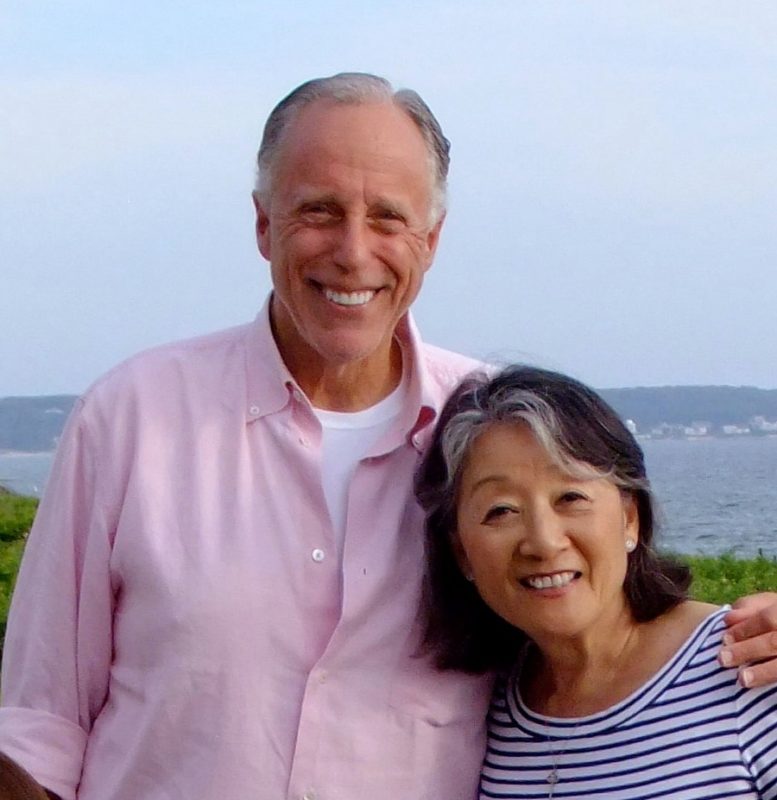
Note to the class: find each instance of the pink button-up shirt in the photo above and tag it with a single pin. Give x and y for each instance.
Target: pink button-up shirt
(182, 628)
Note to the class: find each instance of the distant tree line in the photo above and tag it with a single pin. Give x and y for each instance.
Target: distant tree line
(683, 405)
(34, 424)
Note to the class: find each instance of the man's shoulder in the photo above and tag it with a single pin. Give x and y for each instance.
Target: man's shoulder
(199, 361)
(447, 368)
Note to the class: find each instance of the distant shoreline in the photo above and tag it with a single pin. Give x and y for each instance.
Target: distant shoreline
(26, 452)
(648, 437)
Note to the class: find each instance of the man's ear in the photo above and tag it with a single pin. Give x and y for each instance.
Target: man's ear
(262, 226)
(432, 240)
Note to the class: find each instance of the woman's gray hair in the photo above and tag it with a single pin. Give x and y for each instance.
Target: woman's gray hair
(520, 405)
(354, 88)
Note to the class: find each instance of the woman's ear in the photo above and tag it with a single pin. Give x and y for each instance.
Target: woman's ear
(630, 519)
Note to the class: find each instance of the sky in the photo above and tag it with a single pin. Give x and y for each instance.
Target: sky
(613, 189)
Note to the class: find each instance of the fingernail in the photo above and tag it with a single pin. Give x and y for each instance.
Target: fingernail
(726, 658)
(728, 638)
(746, 678)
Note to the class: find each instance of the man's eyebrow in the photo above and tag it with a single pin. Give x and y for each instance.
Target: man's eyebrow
(305, 198)
(384, 204)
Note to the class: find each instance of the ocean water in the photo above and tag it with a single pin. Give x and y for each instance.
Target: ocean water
(25, 473)
(714, 495)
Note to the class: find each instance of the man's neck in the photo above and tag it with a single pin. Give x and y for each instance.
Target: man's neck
(353, 386)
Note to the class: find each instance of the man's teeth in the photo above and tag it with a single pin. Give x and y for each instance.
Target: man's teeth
(556, 580)
(349, 298)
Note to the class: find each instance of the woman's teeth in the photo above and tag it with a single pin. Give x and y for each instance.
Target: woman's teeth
(557, 580)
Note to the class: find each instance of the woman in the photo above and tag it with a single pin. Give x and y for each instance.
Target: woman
(541, 565)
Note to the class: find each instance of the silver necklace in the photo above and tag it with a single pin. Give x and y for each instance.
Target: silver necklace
(552, 780)
(554, 775)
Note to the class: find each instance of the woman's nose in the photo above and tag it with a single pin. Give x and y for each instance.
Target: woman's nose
(543, 534)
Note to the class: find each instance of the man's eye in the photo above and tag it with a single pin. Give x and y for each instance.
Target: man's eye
(317, 212)
(388, 220)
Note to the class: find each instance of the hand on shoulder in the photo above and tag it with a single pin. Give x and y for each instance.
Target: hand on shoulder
(751, 640)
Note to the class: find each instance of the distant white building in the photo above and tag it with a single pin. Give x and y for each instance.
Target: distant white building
(762, 425)
(735, 430)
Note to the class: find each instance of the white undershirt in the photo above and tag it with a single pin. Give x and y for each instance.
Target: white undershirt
(346, 437)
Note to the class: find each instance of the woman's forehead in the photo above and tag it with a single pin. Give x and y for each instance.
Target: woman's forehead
(515, 445)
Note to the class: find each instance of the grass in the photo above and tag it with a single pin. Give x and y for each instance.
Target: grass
(16, 515)
(723, 579)
(716, 579)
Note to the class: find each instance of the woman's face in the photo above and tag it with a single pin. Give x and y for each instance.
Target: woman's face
(547, 550)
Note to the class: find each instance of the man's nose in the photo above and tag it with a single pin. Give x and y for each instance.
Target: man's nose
(352, 247)
(543, 535)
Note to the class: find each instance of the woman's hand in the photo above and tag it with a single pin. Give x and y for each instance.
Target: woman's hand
(750, 642)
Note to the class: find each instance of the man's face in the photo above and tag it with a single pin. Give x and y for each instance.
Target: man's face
(347, 230)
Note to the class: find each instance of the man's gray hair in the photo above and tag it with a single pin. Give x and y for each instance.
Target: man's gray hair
(354, 88)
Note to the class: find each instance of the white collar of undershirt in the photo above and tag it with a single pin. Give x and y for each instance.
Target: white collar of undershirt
(383, 411)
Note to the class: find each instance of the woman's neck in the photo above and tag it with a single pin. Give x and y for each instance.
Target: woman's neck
(578, 676)
(582, 675)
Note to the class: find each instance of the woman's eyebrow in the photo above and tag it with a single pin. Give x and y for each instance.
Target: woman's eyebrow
(496, 477)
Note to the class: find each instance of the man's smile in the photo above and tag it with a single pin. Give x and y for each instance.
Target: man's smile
(359, 298)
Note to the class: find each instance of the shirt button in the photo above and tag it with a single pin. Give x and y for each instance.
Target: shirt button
(322, 676)
(303, 440)
(254, 410)
(317, 555)
(309, 795)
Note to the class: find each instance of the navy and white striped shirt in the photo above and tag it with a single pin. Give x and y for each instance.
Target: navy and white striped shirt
(690, 733)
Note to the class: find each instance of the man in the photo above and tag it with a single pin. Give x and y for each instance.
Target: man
(219, 595)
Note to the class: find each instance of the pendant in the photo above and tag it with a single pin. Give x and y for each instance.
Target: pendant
(552, 780)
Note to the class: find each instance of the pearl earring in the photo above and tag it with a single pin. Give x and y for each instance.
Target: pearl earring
(630, 545)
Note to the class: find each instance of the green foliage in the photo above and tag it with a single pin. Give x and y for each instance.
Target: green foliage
(16, 515)
(10, 556)
(723, 579)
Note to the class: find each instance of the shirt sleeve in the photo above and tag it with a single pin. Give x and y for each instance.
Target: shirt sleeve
(757, 711)
(58, 645)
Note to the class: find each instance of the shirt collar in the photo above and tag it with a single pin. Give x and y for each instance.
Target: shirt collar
(424, 401)
(270, 385)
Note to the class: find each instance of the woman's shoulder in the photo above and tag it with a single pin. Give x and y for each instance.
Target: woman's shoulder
(690, 614)
(669, 633)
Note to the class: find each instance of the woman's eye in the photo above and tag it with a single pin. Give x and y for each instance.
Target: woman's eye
(573, 497)
(497, 513)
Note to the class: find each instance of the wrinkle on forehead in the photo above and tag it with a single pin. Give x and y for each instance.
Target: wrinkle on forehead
(331, 147)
